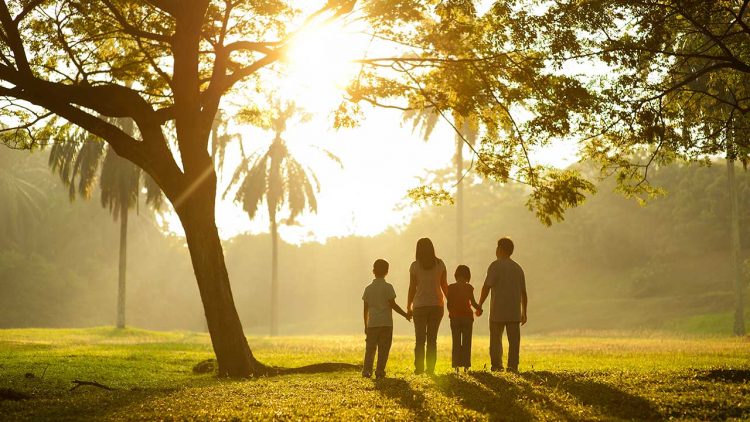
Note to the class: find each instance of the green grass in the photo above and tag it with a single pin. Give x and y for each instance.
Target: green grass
(568, 376)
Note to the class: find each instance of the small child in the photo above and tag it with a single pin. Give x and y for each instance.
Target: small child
(379, 299)
(460, 300)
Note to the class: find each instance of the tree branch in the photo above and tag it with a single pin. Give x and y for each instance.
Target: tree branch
(132, 30)
(691, 78)
(167, 6)
(26, 10)
(731, 56)
(262, 47)
(14, 39)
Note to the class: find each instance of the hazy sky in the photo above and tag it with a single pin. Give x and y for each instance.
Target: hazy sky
(382, 159)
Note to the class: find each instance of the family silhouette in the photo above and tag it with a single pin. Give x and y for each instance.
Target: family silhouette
(505, 285)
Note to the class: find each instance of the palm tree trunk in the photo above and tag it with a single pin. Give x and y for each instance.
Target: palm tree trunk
(123, 266)
(274, 276)
(459, 199)
(735, 249)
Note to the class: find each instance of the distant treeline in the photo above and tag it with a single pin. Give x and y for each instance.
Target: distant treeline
(611, 264)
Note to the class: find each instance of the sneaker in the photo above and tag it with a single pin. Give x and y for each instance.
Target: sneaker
(496, 369)
(513, 370)
(379, 376)
(366, 375)
(418, 371)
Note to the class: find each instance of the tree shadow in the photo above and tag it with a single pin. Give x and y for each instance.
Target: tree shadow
(77, 405)
(210, 366)
(732, 376)
(405, 395)
(316, 368)
(608, 400)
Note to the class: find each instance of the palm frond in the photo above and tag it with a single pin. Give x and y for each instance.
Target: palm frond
(423, 120)
(331, 156)
(76, 155)
(220, 140)
(304, 181)
(154, 196)
(295, 192)
(120, 183)
(87, 164)
(278, 154)
(253, 188)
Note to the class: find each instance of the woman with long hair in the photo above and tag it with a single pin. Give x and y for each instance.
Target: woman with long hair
(428, 284)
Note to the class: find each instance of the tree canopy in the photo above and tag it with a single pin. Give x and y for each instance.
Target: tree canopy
(675, 85)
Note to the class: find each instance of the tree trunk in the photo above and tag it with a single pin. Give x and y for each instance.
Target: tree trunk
(735, 249)
(123, 266)
(233, 354)
(274, 277)
(460, 197)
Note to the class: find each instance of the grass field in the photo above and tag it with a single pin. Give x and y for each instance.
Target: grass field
(576, 376)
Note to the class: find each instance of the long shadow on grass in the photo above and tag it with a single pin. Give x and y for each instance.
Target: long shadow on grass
(510, 398)
(405, 395)
(499, 399)
(604, 398)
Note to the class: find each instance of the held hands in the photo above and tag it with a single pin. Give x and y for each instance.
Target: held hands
(479, 312)
(409, 315)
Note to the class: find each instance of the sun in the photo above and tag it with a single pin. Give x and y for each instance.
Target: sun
(320, 63)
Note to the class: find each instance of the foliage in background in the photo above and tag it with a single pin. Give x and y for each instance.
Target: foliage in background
(594, 271)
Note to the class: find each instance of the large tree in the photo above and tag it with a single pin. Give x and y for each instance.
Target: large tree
(73, 62)
(74, 59)
(675, 85)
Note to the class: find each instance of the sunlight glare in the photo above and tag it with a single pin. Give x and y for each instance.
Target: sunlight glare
(320, 65)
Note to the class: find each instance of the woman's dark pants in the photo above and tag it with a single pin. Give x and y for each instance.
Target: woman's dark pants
(426, 324)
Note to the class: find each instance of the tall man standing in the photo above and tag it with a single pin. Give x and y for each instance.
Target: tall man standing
(506, 281)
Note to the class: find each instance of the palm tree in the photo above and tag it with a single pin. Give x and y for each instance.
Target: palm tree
(82, 156)
(275, 175)
(735, 150)
(465, 131)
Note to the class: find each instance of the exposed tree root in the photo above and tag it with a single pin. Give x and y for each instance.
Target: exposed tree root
(10, 394)
(205, 367)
